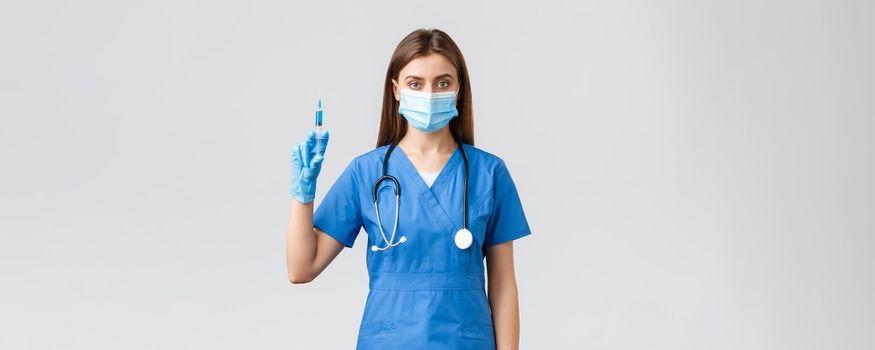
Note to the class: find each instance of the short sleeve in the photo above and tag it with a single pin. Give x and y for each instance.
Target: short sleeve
(339, 213)
(508, 221)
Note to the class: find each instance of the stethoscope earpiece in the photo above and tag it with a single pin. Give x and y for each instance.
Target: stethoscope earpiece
(400, 240)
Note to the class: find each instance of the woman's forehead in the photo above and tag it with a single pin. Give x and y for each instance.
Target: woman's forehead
(429, 66)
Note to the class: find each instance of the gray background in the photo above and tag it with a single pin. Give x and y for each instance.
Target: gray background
(697, 175)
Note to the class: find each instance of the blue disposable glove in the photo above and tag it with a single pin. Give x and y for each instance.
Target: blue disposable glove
(306, 164)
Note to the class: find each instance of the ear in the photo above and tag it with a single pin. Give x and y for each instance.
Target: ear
(395, 90)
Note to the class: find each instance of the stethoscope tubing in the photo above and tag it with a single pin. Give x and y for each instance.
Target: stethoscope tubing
(386, 177)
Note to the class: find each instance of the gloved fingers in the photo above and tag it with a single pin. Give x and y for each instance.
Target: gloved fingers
(312, 142)
(317, 146)
(305, 153)
(293, 154)
(311, 138)
(299, 159)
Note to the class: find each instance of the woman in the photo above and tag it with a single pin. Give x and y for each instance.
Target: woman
(426, 282)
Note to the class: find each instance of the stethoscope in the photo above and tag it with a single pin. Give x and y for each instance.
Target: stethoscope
(463, 237)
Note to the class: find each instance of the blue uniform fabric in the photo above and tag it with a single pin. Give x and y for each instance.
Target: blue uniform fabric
(425, 293)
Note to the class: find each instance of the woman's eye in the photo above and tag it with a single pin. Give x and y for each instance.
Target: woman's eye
(414, 85)
(443, 84)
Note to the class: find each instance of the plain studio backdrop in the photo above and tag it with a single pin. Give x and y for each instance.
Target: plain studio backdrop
(696, 175)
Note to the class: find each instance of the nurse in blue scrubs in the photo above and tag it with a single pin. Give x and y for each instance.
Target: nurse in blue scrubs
(428, 286)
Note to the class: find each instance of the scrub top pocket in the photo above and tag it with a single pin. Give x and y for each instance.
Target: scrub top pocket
(376, 329)
(475, 336)
(375, 335)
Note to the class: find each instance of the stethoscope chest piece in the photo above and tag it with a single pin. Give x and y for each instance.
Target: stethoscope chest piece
(464, 238)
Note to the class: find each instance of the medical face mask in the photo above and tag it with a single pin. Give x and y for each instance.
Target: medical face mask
(428, 112)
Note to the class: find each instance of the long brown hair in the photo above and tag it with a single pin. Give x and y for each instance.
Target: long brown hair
(421, 42)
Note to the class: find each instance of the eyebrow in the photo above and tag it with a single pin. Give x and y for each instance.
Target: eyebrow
(447, 75)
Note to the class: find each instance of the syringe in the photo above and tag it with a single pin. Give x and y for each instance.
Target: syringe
(318, 124)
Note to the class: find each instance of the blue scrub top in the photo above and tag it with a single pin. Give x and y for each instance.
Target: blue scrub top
(425, 293)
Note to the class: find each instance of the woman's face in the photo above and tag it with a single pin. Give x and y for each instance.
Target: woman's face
(430, 73)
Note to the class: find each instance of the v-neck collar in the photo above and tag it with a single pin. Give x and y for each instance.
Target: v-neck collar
(446, 171)
(425, 193)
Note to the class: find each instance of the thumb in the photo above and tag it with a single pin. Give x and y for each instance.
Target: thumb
(317, 161)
